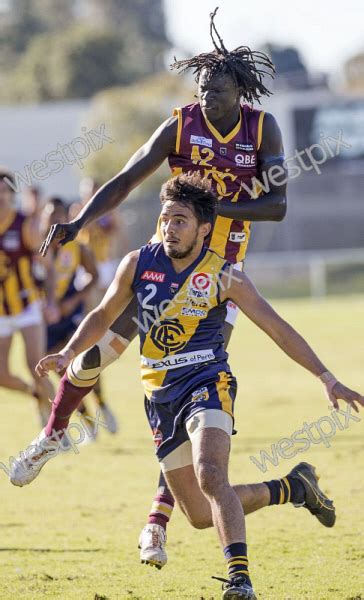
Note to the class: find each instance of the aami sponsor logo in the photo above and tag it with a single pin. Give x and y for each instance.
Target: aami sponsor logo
(201, 141)
(153, 276)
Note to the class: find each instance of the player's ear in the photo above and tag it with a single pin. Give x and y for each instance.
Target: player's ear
(205, 229)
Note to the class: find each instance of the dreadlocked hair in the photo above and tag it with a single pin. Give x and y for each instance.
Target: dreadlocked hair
(194, 191)
(246, 67)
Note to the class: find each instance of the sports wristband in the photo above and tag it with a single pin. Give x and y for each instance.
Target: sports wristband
(328, 379)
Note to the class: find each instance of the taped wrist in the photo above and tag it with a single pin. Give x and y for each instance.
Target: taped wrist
(329, 380)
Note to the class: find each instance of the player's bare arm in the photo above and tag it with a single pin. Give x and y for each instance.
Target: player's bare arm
(97, 322)
(145, 161)
(242, 291)
(271, 206)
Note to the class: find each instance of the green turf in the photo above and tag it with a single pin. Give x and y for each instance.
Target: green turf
(73, 533)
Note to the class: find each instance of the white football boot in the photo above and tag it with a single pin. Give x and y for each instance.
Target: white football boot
(27, 466)
(151, 543)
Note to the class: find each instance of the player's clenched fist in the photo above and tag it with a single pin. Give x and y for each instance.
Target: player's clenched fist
(54, 362)
(62, 233)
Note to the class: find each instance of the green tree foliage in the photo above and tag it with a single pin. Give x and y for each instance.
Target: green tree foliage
(27, 20)
(72, 66)
(51, 50)
(130, 115)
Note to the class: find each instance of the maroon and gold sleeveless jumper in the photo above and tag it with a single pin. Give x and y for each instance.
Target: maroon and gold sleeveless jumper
(231, 163)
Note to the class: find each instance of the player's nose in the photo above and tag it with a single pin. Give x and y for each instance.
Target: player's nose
(169, 227)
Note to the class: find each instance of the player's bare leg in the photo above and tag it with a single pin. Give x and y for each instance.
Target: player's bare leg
(304, 491)
(13, 382)
(7, 379)
(153, 537)
(187, 493)
(221, 504)
(34, 341)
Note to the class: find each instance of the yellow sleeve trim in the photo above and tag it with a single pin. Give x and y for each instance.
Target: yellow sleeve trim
(260, 129)
(178, 113)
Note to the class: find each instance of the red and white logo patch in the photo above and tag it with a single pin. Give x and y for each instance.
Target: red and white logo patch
(200, 285)
(157, 437)
(153, 276)
(200, 281)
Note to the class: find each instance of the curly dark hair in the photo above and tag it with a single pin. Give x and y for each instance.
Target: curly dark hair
(194, 191)
(246, 67)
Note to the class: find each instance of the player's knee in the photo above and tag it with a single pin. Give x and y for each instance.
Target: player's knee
(91, 359)
(210, 477)
(199, 521)
(195, 518)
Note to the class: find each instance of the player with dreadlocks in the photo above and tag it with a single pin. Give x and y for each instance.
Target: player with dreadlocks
(233, 144)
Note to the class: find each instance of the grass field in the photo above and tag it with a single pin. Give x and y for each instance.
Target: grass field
(73, 533)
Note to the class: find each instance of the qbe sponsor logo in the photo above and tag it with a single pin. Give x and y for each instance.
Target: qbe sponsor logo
(153, 276)
(245, 160)
(201, 141)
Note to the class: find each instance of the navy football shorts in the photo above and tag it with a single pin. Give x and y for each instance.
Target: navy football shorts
(168, 420)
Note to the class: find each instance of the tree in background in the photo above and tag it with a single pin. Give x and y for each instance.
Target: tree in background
(130, 115)
(51, 50)
(73, 66)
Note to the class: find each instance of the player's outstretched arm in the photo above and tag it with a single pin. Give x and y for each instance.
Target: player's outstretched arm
(238, 287)
(272, 204)
(145, 161)
(98, 321)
